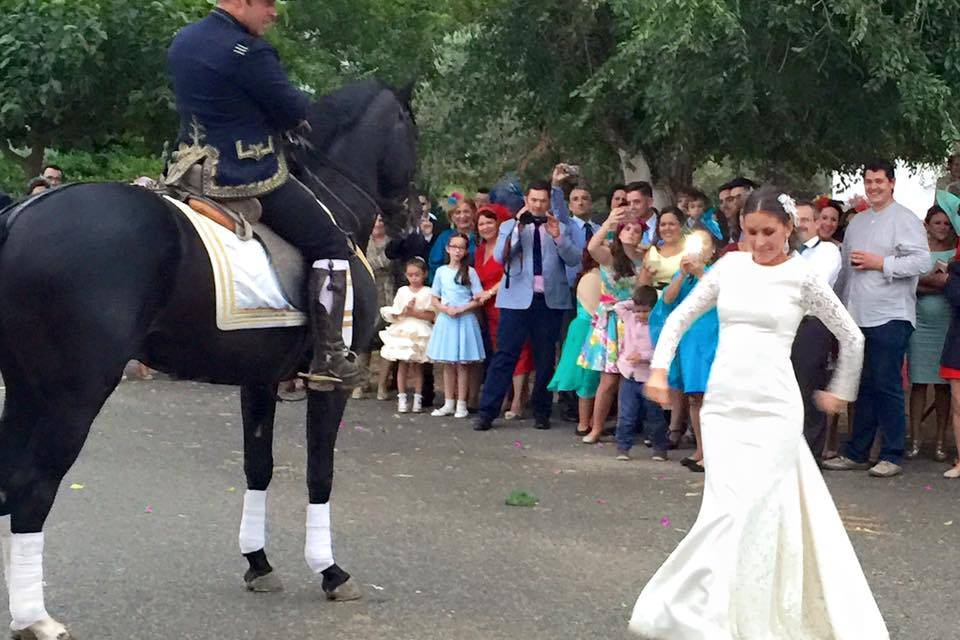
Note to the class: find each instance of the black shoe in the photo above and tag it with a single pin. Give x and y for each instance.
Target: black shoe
(541, 423)
(482, 424)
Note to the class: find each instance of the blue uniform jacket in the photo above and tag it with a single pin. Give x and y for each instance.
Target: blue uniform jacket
(235, 102)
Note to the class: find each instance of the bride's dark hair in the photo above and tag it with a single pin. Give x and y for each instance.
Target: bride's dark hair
(767, 199)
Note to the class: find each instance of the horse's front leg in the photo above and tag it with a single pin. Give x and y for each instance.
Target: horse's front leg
(324, 412)
(258, 406)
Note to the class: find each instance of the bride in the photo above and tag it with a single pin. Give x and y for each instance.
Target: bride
(768, 557)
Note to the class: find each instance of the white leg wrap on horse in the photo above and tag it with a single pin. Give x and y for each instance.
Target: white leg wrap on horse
(319, 548)
(326, 297)
(253, 523)
(26, 580)
(5, 548)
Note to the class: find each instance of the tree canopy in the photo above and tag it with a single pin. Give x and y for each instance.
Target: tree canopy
(86, 73)
(791, 87)
(796, 86)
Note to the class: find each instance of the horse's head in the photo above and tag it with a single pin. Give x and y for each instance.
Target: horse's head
(366, 132)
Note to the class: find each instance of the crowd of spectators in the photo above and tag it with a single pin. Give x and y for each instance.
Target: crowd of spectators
(545, 301)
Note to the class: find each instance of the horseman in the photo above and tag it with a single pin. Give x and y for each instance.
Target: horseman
(236, 103)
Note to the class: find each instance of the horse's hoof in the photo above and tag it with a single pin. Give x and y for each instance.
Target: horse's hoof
(346, 592)
(48, 629)
(268, 583)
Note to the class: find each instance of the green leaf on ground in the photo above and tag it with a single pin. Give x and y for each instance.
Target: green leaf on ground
(521, 499)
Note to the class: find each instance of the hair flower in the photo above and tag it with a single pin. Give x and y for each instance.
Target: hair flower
(790, 206)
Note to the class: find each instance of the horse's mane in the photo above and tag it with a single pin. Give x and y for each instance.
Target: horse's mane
(340, 111)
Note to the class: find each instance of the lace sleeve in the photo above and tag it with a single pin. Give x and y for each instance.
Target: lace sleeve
(819, 300)
(701, 299)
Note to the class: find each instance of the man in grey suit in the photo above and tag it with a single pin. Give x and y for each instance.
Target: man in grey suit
(533, 295)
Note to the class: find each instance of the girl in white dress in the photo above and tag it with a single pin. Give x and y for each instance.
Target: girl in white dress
(768, 557)
(405, 340)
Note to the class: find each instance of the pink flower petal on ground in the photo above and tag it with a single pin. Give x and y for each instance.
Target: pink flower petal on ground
(517, 444)
(601, 501)
(665, 522)
(148, 510)
(927, 488)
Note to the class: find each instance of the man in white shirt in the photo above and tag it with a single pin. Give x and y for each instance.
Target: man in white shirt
(885, 251)
(814, 342)
(823, 256)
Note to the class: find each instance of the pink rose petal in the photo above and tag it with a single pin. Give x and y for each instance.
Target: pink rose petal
(601, 501)
(664, 522)
(927, 488)
(517, 444)
(148, 510)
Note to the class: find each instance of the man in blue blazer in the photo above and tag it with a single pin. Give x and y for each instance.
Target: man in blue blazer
(536, 250)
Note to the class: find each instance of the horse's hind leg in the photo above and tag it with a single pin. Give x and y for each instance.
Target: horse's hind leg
(324, 412)
(60, 422)
(258, 405)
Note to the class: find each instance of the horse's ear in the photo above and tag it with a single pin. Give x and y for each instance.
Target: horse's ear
(405, 93)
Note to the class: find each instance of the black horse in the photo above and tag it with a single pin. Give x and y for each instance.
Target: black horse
(93, 275)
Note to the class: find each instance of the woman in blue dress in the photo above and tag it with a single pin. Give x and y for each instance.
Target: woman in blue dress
(456, 340)
(690, 370)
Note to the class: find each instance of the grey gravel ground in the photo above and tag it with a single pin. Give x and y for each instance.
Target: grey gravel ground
(147, 549)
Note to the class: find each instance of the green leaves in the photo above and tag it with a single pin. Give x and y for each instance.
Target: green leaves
(79, 73)
(795, 85)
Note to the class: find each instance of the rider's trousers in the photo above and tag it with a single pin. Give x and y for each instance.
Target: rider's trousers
(294, 213)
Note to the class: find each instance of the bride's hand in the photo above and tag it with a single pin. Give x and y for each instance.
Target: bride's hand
(656, 387)
(829, 403)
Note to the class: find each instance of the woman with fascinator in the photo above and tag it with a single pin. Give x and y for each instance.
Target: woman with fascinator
(768, 556)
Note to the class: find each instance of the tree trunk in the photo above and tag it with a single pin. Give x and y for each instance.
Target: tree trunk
(636, 167)
(30, 164)
(33, 163)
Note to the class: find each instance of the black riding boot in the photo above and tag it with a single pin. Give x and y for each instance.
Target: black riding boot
(333, 365)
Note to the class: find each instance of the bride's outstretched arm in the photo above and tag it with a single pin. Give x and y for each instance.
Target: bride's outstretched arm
(819, 300)
(699, 301)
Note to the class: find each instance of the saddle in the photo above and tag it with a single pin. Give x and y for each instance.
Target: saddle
(242, 217)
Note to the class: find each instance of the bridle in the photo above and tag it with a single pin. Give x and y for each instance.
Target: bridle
(302, 147)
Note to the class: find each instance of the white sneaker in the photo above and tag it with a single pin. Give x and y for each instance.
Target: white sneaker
(952, 473)
(885, 469)
(445, 410)
(402, 406)
(462, 411)
(417, 403)
(843, 463)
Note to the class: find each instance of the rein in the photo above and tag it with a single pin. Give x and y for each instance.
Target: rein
(305, 147)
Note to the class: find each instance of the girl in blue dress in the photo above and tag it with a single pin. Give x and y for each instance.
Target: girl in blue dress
(690, 370)
(456, 340)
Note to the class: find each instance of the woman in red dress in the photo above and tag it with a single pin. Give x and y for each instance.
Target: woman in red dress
(490, 270)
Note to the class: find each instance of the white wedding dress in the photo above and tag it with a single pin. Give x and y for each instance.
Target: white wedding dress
(768, 557)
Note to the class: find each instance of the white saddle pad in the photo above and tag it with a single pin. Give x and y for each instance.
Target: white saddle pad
(247, 290)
